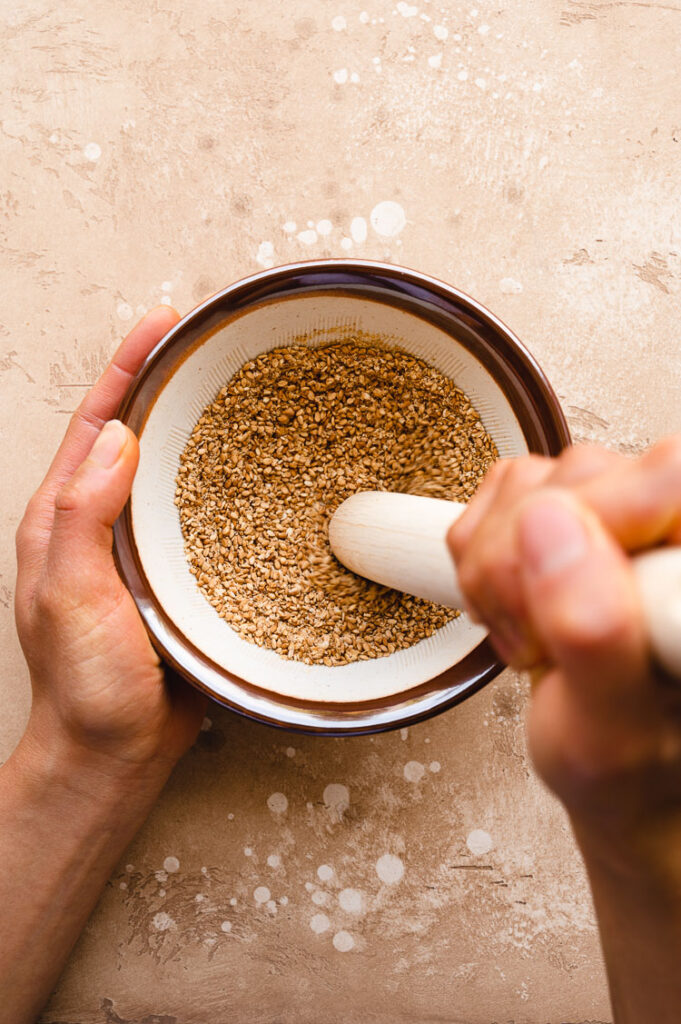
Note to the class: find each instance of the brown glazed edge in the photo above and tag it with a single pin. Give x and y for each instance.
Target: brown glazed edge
(491, 342)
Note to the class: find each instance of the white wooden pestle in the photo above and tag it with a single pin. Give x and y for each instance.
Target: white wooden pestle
(399, 540)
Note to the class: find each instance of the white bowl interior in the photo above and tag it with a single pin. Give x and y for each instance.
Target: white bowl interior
(318, 319)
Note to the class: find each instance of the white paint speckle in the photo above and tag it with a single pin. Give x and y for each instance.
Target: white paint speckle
(129, 868)
(284, 901)
(387, 218)
(343, 942)
(481, 83)
(122, 885)
(226, 926)
(434, 767)
(414, 771)
(544, 162)
(265, 255)
(262, 894)
(171, 864)
(124, 310)
(340, 77)
(435, 61)
(462, 76)
(167, 286)
(404, 733)
(320, 898)
(440, 32)
(389, 868)
(166, 300)
(319, 923)
(206, 725)
(364, 17)
(478, 842)
(358, 230)
(277, 803)
(92, 152)
(324, 227)
(509, 286)
(483, 29)
(289, 227)
(537, 87)
(338, 24)
(354, 78)
(53, 138)
(346, 243)
(407, 10)
(162, 921)
(290, 751)
(351, 901)
(271, 906)
(161, 876)
(324, 873)
(337, 799)
(230, 816)
(233, 901)
(274, 860)
(307, 237)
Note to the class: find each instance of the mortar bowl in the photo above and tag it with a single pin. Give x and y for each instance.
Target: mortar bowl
(314, 303)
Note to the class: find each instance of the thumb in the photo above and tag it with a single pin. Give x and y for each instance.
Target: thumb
(582, 599)
(87, 506)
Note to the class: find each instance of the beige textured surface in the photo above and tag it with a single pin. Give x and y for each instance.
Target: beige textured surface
(535, 152)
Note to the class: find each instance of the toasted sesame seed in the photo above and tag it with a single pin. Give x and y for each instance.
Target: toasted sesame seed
(294, 433)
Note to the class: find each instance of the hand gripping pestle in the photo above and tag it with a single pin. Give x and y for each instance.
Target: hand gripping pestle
(399, 540)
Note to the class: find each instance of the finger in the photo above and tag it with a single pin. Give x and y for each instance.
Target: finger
(79, 562)
(500, 601)
(97, 407)
(102, 402)
(465, 526)
(579, 463)
(640, 501)
(488, 564)
(583, 601)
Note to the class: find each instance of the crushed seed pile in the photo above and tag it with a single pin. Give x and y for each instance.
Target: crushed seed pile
(295, 432)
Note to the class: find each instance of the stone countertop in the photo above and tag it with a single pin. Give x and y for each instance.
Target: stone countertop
(529, 151)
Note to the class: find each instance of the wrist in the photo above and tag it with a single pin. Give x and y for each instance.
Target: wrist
(49, 762)
(644, 858)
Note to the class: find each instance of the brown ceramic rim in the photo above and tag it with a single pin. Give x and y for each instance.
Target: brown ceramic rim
(490, 341)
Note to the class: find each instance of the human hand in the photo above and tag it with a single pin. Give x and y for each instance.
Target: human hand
(100, 699)
(541, 557)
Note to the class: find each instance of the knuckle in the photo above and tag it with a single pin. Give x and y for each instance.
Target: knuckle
(27, 530)
(469, 579)
(666, 454)
(68, 497)
(45, 602)
(583, 460)
(497, 471)
(524, 470)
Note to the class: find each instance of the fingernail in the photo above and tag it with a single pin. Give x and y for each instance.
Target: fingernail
(552, 536)
(109, 444)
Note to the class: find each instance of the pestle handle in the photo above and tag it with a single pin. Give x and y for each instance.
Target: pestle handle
(399, 540)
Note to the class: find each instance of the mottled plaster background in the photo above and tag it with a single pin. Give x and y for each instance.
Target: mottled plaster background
(154, 152)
